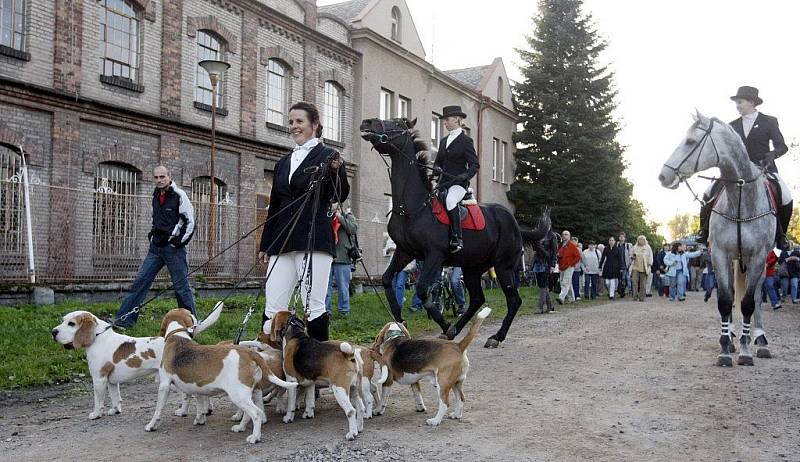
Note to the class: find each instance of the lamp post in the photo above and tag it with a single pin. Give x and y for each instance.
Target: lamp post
(215, 70)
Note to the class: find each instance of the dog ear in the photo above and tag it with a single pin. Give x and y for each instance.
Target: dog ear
(266, 339)
(279, 322)
(84, 336)
(379, 338)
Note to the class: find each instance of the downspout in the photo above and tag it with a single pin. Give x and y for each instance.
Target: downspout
(481, 107)
(31, 267)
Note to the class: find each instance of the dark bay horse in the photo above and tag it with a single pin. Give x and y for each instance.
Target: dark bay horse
(420, 236)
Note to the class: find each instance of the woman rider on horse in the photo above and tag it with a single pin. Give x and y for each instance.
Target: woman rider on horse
(756, 130)
(456, 162)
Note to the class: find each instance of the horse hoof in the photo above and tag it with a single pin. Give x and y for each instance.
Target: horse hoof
(724, 361)
(763, 353)
(745, 360)
(491, 343)
(451, 332)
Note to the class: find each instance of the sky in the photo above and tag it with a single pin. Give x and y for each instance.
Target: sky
(668, 59)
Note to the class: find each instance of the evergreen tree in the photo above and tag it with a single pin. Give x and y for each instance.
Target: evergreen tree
(567, 154)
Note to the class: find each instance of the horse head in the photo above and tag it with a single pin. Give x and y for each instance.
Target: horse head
(388, 136)
(699, 150)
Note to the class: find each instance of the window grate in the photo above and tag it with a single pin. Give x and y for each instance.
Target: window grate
(115, 218)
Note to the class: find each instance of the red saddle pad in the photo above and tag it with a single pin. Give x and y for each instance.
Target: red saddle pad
(473, 220)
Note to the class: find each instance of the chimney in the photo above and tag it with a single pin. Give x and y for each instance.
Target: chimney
(311, 13)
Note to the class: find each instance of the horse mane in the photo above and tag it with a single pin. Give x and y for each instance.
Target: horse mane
(423, 158)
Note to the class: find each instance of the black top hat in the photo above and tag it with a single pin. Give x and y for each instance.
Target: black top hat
(748, 93)
(449, 111)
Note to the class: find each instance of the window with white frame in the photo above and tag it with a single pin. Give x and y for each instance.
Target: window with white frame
(277, 92)
(500, 89)
(495, 155)
(332, 112)
(403, 107)
(385, 110)
(119, 40)
(436, 134)
(503, 160)
(209, 46)
(115, 219)
(397, 25)
(11, 206)
(12, 24)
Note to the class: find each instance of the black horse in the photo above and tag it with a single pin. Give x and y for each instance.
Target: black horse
(419, 235)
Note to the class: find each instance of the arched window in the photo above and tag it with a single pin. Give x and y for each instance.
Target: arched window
(116, 218)
(397, 25)
(201, 200)
(277, 92)
(332, 112)
(209, 46)
(119, 40)
(11, 207)
(500, 89)
(12, 24)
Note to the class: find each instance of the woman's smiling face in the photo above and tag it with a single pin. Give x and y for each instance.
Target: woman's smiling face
(300, 127)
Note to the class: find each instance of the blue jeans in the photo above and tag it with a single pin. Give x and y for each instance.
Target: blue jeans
(772, 293)
(677, 286)
(659, 284)
(399, 284)
(458, 286)
(576, 284)
(590, 282)
(709, 282)
(158, 257)
(794, 283)
(340, 272)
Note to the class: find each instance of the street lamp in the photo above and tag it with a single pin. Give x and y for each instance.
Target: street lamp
(215, 70)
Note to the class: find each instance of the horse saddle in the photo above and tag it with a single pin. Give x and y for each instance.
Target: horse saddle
(468, 209)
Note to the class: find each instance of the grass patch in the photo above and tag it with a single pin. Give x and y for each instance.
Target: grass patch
(29, 356)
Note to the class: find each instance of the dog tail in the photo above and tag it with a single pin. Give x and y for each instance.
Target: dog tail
(384, 374)
(473, 329)
(346, 348)
(254, 344)
(281, 383)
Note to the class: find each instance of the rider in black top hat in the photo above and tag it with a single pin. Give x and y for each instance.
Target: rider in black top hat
(456, 162)
(756, 130)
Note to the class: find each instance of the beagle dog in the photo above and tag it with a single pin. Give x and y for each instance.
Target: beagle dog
(274, 360)
(309, 362)
(113, 358)
(205, 370)
(410, 360)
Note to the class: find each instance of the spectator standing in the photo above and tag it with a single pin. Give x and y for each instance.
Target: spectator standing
(544, 259)
(590, 261)
(793, 266)
(695, 271)
(344, 232)
(612, 263)
(769, 282)
(578, 273)
(625, 277)
(709, 279)
(568, 258)
(641, 266)
(677, 263)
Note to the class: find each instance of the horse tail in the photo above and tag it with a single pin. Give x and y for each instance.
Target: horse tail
(473, 329)
(739, 284)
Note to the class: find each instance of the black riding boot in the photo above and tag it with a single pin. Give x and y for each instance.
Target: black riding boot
(456, 244)
(784, 216)
(318, 328)
(705, 216)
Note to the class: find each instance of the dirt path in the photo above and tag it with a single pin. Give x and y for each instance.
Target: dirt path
(621, 381)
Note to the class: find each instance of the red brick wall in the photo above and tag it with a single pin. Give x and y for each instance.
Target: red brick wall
(68, 42)
(171, 38)
(249, 77)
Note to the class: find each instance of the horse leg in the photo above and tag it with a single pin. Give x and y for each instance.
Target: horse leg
(748, 307)
(725, 306)
(759, 334)
(472, 281)
(430, 270)
(513, 301)
(398, 262)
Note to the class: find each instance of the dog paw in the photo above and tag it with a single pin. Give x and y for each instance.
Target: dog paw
(95, 415)
(252, 439)
(350, 436)
(236, 417)
(237, 428)
(378, 411)
(151, 427)
(308, 414)
(432, 422)
(113, 411)
(454, 416)
(288, 418)
(200, 420)
(421, 409)
(181, 413)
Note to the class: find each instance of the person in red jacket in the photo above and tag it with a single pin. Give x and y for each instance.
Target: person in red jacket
(568, 258)
(769, 281)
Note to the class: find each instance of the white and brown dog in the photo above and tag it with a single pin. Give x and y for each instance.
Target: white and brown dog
(211, 369)
(309, 362)
(113, 358)
(444, 362)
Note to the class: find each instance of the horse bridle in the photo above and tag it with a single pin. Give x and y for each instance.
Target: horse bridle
(699, 148)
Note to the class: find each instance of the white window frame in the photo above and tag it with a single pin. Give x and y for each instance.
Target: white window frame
(403, 107)
(495, 149)
(277, 92)
(436, 130)
(503, 160)
(202, 82)
(386, 101)
(12, 30)
(119, 49)
(332, 111)
(397, 25)
(500, 93)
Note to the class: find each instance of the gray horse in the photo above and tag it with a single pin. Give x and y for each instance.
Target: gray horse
(742, 227)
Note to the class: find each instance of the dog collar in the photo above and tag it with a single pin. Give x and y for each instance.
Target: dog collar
(392, 334)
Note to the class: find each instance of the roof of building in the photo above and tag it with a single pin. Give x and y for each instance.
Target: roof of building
(472, 76)
(347, 11)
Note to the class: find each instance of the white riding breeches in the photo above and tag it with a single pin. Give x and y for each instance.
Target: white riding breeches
(454, 194)
(285, 270)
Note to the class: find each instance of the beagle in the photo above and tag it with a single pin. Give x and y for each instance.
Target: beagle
(410, 360)
(205, 370)
(112, 358)
(274, 360)
(310, 362)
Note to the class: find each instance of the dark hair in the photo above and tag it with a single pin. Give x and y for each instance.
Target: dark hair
(675, 246)
(312, 112)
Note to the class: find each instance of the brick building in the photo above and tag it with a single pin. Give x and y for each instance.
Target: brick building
(98, 92)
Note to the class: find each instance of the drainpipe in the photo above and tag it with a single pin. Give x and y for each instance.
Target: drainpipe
(482, 104)
(31, 268)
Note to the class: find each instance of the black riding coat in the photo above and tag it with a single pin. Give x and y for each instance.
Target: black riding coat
(283, 205)
(458, 162)
(757, 141)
